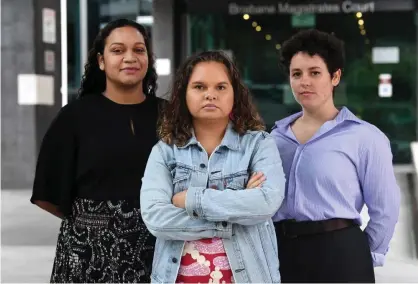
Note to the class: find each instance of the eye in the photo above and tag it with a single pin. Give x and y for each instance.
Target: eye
(315, 73)
(117, 51)
(221, 88)
(296, 74)
(140, 50)
(198, 87)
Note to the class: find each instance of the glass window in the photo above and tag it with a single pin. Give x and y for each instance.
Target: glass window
(73, 48)
(100, 12)
(256, 40)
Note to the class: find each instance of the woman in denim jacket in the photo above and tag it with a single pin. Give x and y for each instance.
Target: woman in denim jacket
(213, 182)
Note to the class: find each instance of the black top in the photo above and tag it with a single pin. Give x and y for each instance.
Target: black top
(96, 149)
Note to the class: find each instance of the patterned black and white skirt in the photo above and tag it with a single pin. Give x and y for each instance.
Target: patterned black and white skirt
(103, 241)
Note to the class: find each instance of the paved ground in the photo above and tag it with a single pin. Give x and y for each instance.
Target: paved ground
(28, 239)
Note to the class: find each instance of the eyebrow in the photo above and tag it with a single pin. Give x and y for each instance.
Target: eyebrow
(202, 83)
(121, 43)
(310, 68)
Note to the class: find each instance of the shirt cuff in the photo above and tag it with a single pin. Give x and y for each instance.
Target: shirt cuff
(193, 202)
(378, 259)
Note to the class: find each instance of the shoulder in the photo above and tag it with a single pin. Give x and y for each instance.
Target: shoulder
(164, 150)
(158, 101)
(368, 132)
(371, 139)
(79, 104)
(255, 139)
(257, 135)
(154, 104)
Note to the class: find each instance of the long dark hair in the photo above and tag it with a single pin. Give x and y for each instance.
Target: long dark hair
(176, 121)
(93, 81)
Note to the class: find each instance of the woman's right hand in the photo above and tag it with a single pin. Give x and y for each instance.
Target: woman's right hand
(256, 180)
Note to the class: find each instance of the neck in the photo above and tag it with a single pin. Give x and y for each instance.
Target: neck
(321, 115)
(127, 95)
(209, 132)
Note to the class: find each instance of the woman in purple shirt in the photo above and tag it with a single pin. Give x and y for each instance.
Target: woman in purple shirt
(335, 163)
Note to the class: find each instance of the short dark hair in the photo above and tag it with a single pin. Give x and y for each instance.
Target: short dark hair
(93, 81)
(176, 121)
(314, 42)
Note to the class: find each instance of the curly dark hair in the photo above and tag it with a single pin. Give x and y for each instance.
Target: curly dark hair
(93, 81)
(314, 42)
(176, 121)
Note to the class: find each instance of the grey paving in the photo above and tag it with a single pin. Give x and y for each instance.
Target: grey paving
(29, 235)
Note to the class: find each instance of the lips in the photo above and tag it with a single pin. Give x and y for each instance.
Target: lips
(130, 70)
(306, 93)
(210, 106)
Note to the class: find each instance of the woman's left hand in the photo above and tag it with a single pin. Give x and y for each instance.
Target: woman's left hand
(179, 199)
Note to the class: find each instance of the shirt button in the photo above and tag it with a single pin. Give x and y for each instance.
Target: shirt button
(174, 260)
(202, 166)
(224, 224)
(200, 149)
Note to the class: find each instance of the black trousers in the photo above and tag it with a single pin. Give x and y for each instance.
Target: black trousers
(339, 256)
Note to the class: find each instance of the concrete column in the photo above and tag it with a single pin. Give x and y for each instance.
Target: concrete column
(163, 40)
(30, 46)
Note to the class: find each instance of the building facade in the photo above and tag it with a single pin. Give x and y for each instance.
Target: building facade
(380, 81)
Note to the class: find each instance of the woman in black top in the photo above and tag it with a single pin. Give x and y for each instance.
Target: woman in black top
(92, 160)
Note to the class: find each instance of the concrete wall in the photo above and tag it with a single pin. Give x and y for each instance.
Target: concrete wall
(163, 39)
(22, 49)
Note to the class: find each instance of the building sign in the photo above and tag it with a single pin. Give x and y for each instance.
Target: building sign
(49, 60)
(49, 26)
(385, 85)
(286, 8)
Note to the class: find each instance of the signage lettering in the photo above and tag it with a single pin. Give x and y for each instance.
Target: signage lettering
(286, 8)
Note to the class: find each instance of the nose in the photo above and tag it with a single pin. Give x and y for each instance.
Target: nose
(305, 80)
(129, 57)
(211, 95)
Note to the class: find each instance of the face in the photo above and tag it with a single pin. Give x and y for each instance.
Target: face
(125, 58)
(210, 95)
(311, 81)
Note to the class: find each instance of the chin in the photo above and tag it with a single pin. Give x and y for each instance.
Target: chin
(310, 105)
(130, 83)
(214, 118)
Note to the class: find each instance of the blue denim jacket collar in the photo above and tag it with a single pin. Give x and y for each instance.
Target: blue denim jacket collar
(231, 139)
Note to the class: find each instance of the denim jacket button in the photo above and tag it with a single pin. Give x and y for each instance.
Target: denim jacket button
(202, 166)
(224, 224)
(174, 260)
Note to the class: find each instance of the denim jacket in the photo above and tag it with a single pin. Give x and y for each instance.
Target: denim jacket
(241, 217)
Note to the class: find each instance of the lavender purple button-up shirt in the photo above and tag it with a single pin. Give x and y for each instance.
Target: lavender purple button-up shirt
(346, 164)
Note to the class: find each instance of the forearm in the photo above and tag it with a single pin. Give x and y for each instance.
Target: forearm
(245, 207)
(169, 222)
(49, 207)
(379, 232)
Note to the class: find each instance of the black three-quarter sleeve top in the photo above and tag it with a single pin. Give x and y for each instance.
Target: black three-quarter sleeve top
(96, 149)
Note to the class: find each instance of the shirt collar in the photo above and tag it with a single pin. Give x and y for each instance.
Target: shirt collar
(343, 115)
(231, 139)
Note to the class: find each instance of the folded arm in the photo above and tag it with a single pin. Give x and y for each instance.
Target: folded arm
(245, 207)
(161, 217)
